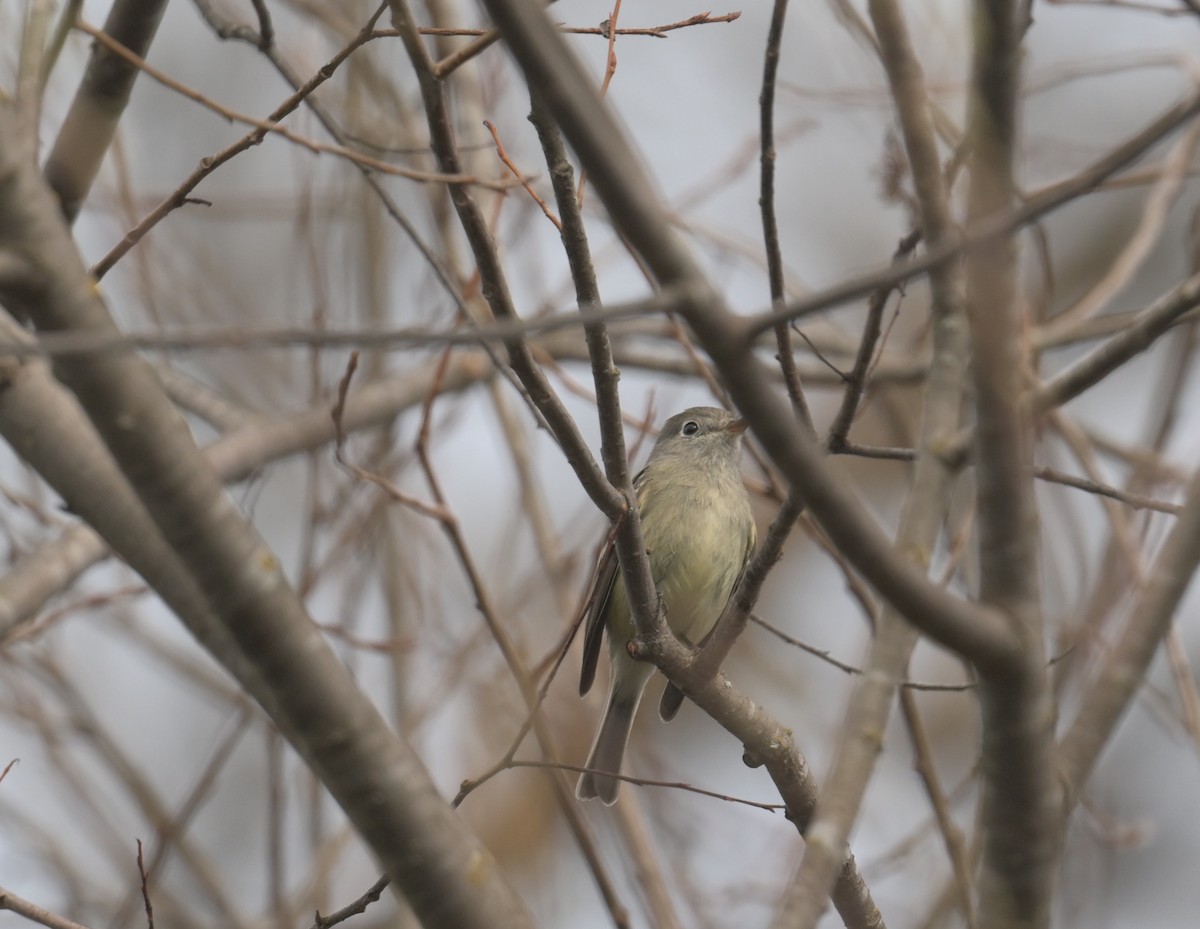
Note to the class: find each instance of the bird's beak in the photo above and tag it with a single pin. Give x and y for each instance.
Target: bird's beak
(737, 427)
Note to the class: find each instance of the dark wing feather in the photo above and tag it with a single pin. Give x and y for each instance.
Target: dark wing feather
(606, 576)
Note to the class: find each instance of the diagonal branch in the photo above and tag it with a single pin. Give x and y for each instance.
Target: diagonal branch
(998, 225)
(91, 122)
(1114, 685)
(378, 779)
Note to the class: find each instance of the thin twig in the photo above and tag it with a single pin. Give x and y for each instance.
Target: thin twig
(180, 195)
(672, 785)
(487, 37)
(767, 155)
(851, 669)
(272, 125)
(31, 911)
(503, 156)
(354, 908)
(856, 381)
(995, 226)
(145, 883)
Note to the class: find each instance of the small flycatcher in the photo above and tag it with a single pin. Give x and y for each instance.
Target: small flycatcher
(699, 533)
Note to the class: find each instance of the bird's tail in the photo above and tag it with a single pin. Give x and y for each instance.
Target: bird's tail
(604, 760)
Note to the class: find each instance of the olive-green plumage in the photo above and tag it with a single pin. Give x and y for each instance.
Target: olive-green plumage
(699, 531)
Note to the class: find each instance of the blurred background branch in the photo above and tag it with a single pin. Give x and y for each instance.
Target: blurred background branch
(941, 256)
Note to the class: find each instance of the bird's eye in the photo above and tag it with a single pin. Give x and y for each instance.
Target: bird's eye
(691, 427)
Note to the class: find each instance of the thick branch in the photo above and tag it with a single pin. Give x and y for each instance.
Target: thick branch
(99, 103)
(1021, 794)
(921, 519)
(380, 782)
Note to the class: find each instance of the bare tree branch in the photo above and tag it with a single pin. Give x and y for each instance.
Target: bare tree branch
(31, 911)
(1111, 689)
(91, 123)
(924, 507)
(997, 225)
(1021, 796)
(378, 779)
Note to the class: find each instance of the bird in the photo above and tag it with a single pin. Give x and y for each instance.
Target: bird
(699, 532)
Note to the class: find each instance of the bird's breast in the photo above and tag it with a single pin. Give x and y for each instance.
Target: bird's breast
(696, 538)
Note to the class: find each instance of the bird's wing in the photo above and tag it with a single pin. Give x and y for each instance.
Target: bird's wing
(602, 588)
(606, 576)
